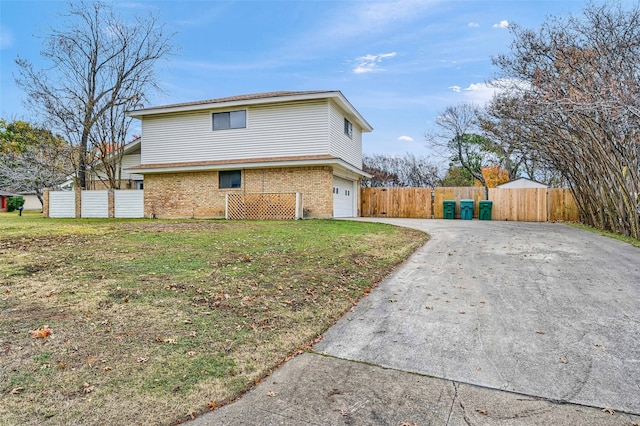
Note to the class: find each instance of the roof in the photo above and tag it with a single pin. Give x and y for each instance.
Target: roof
(310, 160)
(7, 194)
(256, 99)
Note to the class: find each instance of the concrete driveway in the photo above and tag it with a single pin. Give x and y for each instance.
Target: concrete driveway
(511, 318)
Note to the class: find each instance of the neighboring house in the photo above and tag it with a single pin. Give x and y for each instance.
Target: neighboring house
(31, 201)
(4, 200)
(522, 183)
(193, 154)
(96, 178)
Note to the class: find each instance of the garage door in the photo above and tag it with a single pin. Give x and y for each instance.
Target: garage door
(343, 197)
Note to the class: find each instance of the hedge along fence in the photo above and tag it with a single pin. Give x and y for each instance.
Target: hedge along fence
(525, 204)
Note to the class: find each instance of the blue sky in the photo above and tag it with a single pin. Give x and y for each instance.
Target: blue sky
(399, 63)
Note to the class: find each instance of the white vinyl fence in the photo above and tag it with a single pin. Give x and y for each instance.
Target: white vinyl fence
(97, 204)
(94, 204)
(62, 204)
(128, 203)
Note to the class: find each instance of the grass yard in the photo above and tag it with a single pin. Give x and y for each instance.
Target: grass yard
(153, 322)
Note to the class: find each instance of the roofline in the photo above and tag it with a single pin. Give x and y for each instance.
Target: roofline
(269, 98)
(245, 164)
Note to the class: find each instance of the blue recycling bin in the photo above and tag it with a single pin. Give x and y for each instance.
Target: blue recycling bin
(466, 209)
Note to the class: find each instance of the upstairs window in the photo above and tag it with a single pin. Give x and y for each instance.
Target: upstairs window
(230, 179)
(230, 120)
(348, 128)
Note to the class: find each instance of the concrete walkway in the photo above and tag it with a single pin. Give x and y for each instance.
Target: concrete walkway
(488, 323)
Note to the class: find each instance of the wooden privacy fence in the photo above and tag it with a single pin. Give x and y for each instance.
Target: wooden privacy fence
(522, 204)
(261, 206)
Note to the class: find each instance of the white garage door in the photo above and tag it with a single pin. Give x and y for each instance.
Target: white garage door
(343, 197)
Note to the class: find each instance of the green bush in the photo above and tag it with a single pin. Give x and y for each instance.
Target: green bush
(15, 203)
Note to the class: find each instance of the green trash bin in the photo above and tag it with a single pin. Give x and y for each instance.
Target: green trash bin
(485, 209)
(449, 209)
(466, 209)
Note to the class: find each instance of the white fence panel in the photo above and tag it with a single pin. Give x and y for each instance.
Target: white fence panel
(62, 204)
(94, 204)
(128, 203)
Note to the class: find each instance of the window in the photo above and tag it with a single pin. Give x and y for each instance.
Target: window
(230, 120)
(336, 190)
(348, 128)
(230, 179)
(347, 192)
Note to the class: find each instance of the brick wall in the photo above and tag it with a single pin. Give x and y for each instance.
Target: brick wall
(179, 195)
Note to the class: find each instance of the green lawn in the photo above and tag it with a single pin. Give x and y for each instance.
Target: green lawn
(152, 322)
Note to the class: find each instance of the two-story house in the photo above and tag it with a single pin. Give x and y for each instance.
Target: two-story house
(193, 154)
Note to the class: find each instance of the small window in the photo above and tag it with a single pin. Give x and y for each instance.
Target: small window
(230, 179)
(347, 192)
(336, 190)
(348, 128)
(230, 120)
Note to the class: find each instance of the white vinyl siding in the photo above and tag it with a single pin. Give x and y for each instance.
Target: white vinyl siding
(62, 204)
(277, 130)
(94, 204)
(130, 160)
(349, 149)
(128, 203)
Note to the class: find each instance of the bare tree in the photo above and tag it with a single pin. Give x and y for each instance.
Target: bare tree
(100, 66)
(406, 170)
(456, 133)
(579, 109)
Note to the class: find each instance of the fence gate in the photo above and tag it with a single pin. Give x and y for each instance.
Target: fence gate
(264, 206)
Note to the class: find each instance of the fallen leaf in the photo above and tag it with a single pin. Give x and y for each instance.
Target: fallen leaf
(608, 410)
(271, 393)
(106, 368)
(87, 388)
(483, 412)
(16, 391)
(41, 333)
(212, 405)
(141, 359)
(564, 360)
(539, 332)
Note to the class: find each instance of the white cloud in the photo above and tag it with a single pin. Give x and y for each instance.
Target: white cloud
(6, 37)
(481, 93)
(455, 88)
(474, 24)
(502, 24)
(370, 63)
(405, 138)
